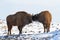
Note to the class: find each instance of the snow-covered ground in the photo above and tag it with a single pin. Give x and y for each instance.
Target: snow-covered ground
(32, 31)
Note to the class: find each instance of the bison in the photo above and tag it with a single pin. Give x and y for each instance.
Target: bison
(45, 18)
(20, 19)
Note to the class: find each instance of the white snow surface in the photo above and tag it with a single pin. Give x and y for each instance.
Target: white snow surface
(32, 31)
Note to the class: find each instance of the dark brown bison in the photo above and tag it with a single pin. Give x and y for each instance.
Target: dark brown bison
(45, 18)
(19, 19)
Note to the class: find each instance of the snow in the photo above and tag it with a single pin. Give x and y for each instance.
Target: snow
(32, 31)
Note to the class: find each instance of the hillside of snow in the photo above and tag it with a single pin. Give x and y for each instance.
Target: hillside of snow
(32, 31)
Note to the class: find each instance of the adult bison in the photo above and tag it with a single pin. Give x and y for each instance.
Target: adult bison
(19, 19)
(45, 18)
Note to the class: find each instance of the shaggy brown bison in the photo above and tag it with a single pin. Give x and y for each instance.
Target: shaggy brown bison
(19, 19)
(45, 18)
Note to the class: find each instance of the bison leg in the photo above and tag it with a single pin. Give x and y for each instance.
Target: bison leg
(48, 27)
(9, 29)
(20, 29)
(45, 28)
